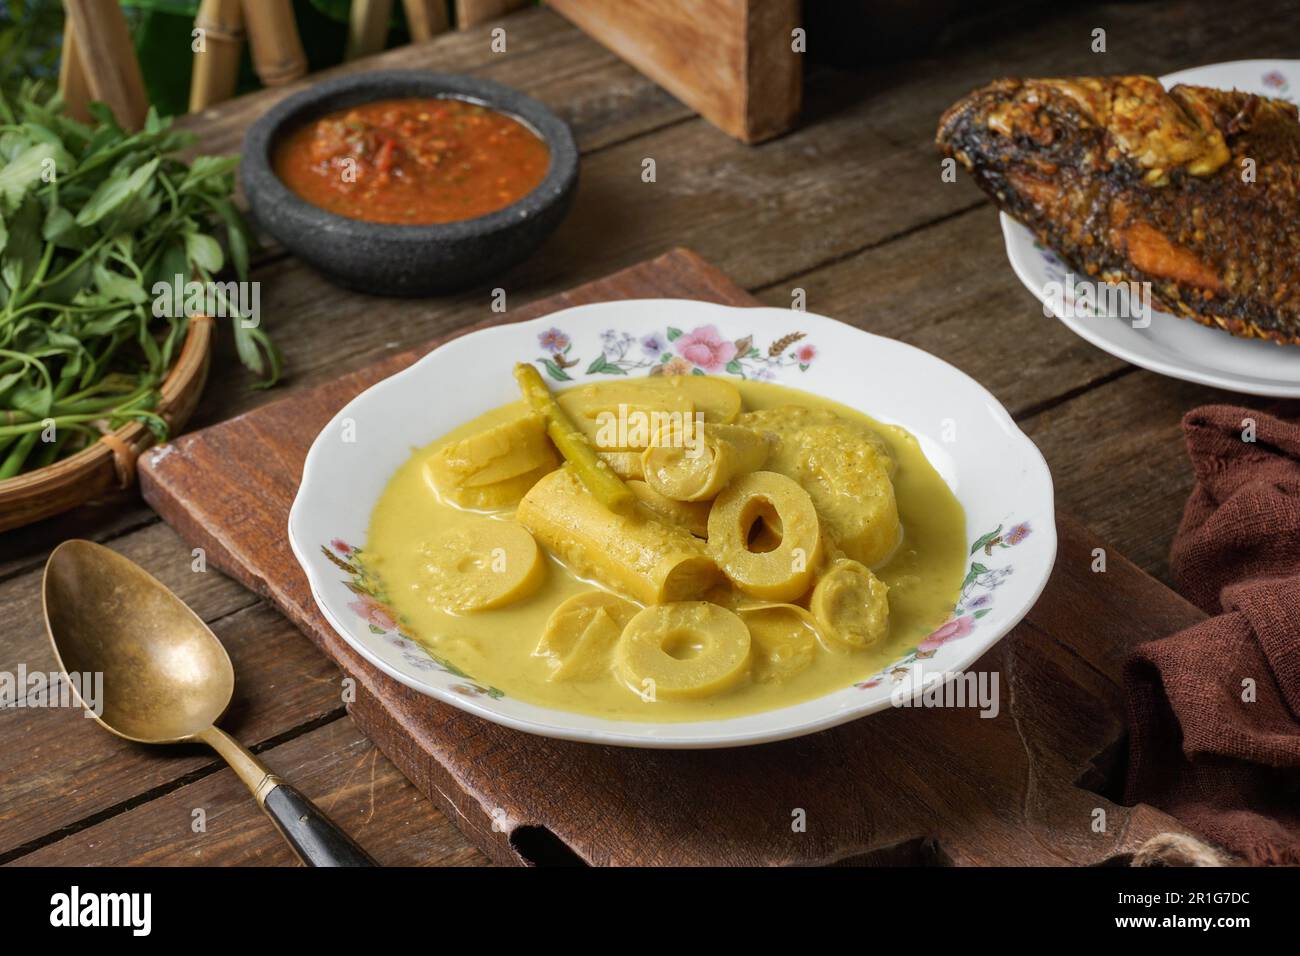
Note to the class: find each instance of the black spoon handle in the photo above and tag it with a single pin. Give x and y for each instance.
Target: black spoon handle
(313, 836)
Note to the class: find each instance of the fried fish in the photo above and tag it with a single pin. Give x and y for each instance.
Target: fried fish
(1193, 190)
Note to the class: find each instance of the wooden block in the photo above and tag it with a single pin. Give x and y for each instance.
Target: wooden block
(731, 61)
(473, 12)
(944, 782)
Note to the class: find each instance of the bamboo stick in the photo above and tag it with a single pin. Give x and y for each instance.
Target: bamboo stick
(278, 56)
(367, 27)
(72, 76)
(426, 18)
(216, 66)
(112, 72)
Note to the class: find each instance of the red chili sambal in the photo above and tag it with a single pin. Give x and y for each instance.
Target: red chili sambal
(414, 160)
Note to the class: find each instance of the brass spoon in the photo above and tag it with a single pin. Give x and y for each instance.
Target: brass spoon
(166, 679)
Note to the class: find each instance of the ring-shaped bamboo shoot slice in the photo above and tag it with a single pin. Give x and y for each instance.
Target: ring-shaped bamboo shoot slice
(581, 633)
(783, 640)
(683, 650)
(851, 605)
(765, 535)
(482, 564)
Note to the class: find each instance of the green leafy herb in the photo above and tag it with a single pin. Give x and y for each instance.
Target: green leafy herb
(92, 219)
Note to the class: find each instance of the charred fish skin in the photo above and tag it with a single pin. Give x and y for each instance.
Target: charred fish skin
(1194, 190)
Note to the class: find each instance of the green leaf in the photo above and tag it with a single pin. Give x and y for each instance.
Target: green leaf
(23, 250)
(674, 334)
(207, 167)
(117, 287)
(35, 400)
(734, 367)
(204, 252)
(981, 612)
(25, 170)
(236, 234)
(115, 192)
(598, 365)
(61, 228)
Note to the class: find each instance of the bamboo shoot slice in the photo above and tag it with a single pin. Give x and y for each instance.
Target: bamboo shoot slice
(695, 467)
(634, 554)
(480, 565)
(492, 468)
(765, 536)
(846, 468)
(689, 649)
(851, 605)
(581, 633)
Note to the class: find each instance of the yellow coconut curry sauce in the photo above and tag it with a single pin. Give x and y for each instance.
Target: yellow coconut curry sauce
(801, 549)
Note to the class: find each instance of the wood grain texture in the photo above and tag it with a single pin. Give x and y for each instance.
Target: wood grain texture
(335, 765)
(998, 789)
(730, 60)
(67, 770)
(470, 13)
(108, 61)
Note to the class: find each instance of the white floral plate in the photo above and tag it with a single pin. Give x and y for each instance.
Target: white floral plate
(1179, 348)
(995, 471)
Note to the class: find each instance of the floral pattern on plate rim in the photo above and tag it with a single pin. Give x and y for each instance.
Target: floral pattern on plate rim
(973, 602)
(373, 607)
(701, 351)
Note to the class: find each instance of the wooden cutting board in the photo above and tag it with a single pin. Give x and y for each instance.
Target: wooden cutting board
(941, 785)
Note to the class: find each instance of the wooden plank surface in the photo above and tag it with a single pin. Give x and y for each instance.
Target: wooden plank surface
(930, 272)
(334, 765)
(618, 806)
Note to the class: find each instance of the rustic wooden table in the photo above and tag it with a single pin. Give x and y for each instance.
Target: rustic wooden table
(849, 208)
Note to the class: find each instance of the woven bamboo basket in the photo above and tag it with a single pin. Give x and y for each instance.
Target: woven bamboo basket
(109, 464)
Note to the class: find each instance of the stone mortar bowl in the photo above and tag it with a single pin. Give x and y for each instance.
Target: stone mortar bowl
(398, 259)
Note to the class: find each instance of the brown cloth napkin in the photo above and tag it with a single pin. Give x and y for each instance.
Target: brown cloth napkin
(1228, 768)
